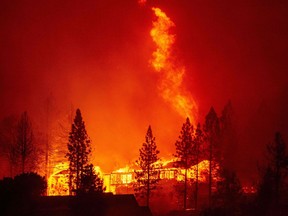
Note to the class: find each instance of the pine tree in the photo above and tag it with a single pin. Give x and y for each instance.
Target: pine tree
(78, 153)
(228, 193)
(228, 136)
(278, 161)
(272, 188)
(148, 177)
(90, 181)
(212, 134)
(184, 152)
(198, 150)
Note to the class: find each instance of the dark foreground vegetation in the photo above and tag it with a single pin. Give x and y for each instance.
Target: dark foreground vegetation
(23, 196)
(270, 197)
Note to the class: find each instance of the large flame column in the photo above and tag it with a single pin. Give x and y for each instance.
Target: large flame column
(171, 85)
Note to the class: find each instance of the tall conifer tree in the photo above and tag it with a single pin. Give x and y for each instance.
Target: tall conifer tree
(184, 152)
(212, 134)
(78, 153)
(228, 137)
(272, 188)
(148, 176)
(198, 150)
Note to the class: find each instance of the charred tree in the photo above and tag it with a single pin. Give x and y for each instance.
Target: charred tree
(8, 136)
(212, 135)
(184, 153)
(25, 142)
(78, 153)
(148, 177)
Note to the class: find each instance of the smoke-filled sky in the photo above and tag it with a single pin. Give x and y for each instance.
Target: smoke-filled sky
(96, 56)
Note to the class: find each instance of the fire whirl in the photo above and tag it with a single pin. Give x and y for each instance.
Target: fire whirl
(171, 84)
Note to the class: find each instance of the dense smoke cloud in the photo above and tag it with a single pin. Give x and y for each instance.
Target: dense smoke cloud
(95, 55)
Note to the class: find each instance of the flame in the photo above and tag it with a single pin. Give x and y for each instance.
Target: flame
(125, 169)
(58, 181)
(171, 86)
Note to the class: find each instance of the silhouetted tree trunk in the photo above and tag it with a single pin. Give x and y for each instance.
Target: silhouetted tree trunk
(148, 177)
(198, 142)
(212, 133)
(8, 139)
(277, 151)
(184, 153)
(25, 140)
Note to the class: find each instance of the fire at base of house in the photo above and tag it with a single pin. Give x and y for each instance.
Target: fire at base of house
(124, 177)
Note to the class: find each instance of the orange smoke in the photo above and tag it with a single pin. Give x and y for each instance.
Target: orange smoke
(171, 85)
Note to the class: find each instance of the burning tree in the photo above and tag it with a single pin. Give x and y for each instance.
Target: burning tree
(184, 152)
(212, 134)
(79, 150)
(148, 176)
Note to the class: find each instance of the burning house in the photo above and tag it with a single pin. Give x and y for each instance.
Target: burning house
(121, 181)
